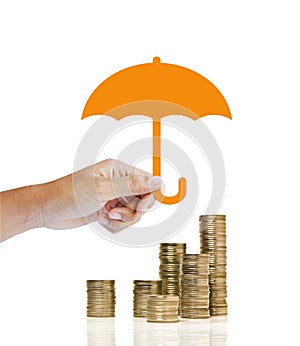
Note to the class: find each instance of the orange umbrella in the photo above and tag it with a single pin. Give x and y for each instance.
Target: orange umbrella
(157, 90)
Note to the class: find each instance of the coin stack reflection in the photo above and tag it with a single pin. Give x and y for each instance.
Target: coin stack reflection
(170, 255)
(213, 242)
(142, 289)
(155, 334)
(194, 332)
(101, 331)
(162, 308)
(101, 298)
(218, 332)
(195, 286)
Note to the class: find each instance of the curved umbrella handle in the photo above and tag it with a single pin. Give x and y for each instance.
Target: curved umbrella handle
(156, 171)
(173, 199)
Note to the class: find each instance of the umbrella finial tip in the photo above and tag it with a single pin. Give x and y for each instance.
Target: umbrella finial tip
(156, 60)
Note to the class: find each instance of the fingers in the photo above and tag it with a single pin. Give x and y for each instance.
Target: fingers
(114, 225)
(121, 217)
(112, 204)
(125, 214)
(126, 192)
(110, 188)
(146, 202)
(104, 168)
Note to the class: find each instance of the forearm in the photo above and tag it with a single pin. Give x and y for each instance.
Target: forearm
(21, 210)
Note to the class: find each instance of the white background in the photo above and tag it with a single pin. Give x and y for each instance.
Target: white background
(53, 55)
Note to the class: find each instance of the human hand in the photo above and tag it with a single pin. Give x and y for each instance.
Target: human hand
(110, 192)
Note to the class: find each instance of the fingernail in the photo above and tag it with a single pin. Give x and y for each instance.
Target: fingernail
(155, 183)
(115, 216)
(103, 220)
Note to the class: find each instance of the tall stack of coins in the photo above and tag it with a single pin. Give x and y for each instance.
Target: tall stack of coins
(170, 255)
(213, 242)
(141, 290)
(195, 286)
(101, 298)
(162, 308)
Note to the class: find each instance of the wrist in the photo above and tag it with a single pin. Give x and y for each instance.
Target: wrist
(34, 196)
(21, 210)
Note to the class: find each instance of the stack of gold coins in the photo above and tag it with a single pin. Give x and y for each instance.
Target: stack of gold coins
(141, 290)
(195, 286)
(162, 308)
(170, 255)
(213, 242)
(101, 298)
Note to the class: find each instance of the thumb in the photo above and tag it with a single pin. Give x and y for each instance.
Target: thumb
(132, 185)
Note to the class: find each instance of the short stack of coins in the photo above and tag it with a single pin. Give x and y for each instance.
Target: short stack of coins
(101, 298)
(195, 286)
(142, 289)
(213, 242)
(170, 256)
(162, 308)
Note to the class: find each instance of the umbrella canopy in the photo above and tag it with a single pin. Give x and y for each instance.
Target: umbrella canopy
(157, 90)
(185, 92)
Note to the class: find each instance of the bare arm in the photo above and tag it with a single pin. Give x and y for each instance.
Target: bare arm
(21, 210)
(110, 192)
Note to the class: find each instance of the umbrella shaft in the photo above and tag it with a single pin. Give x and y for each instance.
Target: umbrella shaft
(156, 148)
